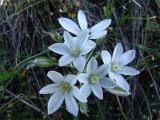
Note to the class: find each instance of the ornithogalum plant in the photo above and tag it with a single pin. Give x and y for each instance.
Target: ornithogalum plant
(76, 53)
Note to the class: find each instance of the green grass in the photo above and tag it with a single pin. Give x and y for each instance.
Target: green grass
(27, 28)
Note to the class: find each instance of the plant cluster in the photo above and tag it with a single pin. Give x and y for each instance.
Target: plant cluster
(90, 77)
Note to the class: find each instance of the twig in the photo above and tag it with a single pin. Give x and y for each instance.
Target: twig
(136, 3)
(120, 107)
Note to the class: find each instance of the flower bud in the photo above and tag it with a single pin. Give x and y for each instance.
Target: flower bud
(43, 62)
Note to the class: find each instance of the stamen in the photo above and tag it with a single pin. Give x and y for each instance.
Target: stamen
(115, 68)
(94, 79)
(64, 87)
(75, 52)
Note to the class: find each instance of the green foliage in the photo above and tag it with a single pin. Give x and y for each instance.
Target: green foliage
(6, 75)
(158, 3)
(56, 37)
(108, 9)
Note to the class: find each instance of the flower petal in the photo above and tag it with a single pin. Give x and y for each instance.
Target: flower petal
(107, 83)
(85, 49)
(69, 40)
(126, 57)
(106, 57)
(59, 48)
(76, 94)
(55, 102)
(49, 89)
(98, 35)
(92, 66)
(82, 20)
(85, 90)
(79, 63)
(118, 51)
(111, 75)
(71, 79)
(82, 77)
(122, 82)
(55, 76)
(69, 25)
(97, 90)
(91, 44)
(71, 104)
(82, 37)
(102, 25)
(125, 70)
(118, 91)
(65, 60)
(103, 70)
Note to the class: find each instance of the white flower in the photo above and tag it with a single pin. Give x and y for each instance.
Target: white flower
(95, 32)
(73, 50)
(118, 63)
(62, 89)
(94, 80)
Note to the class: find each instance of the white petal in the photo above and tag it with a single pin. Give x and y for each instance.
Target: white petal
(97, 90)
(126, 57)
(92, 66)
(107, 83)
(76, 94)
(71, 104)
(55, 76)
(79, 63)
(85, 49)
(100, 26)
(111, 75)
(59, 48)
(103, 70)
(55, 102)
(91, 44)
(69, 40)
(65, 60)
(49, 89)
(106, 57)
(82, 37)
(85, 90)
(121, 82)
(98, 35)
(118, 51)
(125, 70)
(118, 91)
(71, 79)
(82, 20)
(69, 25)
(82, 77)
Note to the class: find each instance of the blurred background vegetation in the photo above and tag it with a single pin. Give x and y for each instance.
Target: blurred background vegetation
(28, 27)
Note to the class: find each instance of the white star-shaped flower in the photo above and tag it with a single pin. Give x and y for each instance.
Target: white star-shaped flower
(118, 63)
(62, 89)
(94, 79)
(95, 32)
(73, 50)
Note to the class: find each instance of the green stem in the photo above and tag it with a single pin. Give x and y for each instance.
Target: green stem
(30, 58)
(100, 109)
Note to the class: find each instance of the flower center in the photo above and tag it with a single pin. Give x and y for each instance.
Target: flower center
(115, 68)
(75, 52)
(94, 79)
(64, 87)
